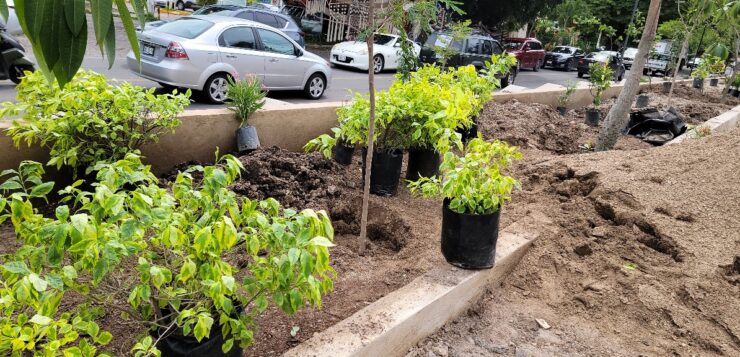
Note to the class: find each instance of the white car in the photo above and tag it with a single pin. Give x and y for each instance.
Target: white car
(387, 52)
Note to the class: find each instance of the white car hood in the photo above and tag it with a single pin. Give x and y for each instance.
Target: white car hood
(351, 46)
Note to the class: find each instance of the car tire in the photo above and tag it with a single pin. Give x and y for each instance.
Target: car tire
(580, 74)
(315, 86)
(568, 65)
(619, 78)
(180, 5)
(378, 64)
(537, 66)
(214, 91)
(16, 72)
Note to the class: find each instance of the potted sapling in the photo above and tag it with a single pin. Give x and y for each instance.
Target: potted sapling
(244, 98)
(474, 187)
(570, 88)
(600, 79)
(351, 132)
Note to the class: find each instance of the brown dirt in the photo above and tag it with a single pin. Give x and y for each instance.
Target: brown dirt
(641, 262)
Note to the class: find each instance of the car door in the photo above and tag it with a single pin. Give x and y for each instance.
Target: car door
(471, 52)
(283, 69)
(238, 47)
(486, 50)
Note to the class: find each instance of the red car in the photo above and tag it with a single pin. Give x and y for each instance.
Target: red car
(529, 52)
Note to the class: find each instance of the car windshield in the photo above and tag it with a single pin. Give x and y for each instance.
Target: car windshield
(383, 39)
(598, 56)
(211, 10)
(186, 27)
(513, 45)
(630, 52)
(563, 50)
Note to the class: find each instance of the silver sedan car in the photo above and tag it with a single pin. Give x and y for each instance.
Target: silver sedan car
(203, 53)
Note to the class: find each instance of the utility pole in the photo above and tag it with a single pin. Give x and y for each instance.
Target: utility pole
(632, 20)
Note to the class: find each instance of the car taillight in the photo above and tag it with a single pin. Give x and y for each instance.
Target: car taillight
(174, 50)
(581, 61)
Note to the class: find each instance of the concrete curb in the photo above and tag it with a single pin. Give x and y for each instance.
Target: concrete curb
(718, 124)
(396, 322)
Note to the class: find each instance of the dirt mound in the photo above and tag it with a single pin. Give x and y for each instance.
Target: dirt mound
(297, 180)
(531, 126)
(642, 259)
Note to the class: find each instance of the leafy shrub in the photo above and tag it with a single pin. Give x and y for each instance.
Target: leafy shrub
(245, 97)
(89, 120)
(182, 239)
(710, 66)
(570, 88)
(352, 128)
(600, 79)
(475, 182)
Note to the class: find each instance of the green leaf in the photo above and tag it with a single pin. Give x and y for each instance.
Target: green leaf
(321, 241)
(17, 268)
(187, 271)
(128, 26)
(203, 327)
(110, 44)
(42, 190)
(71, 52)
(4, 13)
(10, 185)
(104, 338)
(38, 283)
(100, 269)
(228, 344)
(50, 30)
(102, 16)
(40, 320)
(74, 12)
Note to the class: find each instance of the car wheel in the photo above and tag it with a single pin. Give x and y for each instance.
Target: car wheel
(180, 5)
(315, 86)
(537, 66)
(215, 90)
(580, 74)
(619, 79)
(568, 65)
(16, 72)
(378, 64)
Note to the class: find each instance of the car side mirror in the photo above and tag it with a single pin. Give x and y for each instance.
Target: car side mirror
(298, 52)
(397, 44)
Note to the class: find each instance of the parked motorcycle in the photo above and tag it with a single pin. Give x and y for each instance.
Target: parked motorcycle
(13, 60)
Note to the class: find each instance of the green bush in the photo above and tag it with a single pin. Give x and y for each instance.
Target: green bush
(184, 239)
(245, 97)
(89, 120)
(710, 66)
(600, 79)
(474, 183)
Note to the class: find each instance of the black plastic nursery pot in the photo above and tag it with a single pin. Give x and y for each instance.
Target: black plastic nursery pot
(343, 153)
(713, 82)
(666, 87)
(592, 117)
(698, 83)
(247, 139)
(422, 163)
(187, 346)
(736, 93)
(471, 132)
(385, 171)
(469, 240)
(562, 110)
(642, 101)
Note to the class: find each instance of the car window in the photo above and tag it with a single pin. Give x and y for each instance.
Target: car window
(559, 49)
(281, 22)
(486, 48)
(473, 45)
(534, 45)
(579, 52)
(238, 37)
(247, 15)
(443, 40)
(210, 10)
(497, 49)
(275, 43)
(266, 19)
(513, 45)
(186, 27)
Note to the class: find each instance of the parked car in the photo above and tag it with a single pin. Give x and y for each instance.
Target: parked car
(564, 57)
(387, 53)
(203, 52)
(629, 57)
(693, 62)
(177, 4)
(612, 58)
(474, 50)
(529, 52)
(662, 64)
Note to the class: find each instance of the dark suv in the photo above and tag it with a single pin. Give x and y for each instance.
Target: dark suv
(564, 57)
(475, 49)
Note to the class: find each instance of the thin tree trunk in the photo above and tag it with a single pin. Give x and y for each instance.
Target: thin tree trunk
(618, 115)
(370, 128)
(598, 40)
(736, 68)
(684, 51)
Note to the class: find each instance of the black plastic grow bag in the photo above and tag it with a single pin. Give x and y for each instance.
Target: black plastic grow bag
(656, 127)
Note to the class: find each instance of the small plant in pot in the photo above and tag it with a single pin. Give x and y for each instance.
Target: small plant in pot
(474, 187)
(350, 132)
(570, 88)
(244, 98)
(600, 79)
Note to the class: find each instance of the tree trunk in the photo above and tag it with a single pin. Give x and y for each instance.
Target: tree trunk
(684, 51)
(618, 116)
(598, 41)
(370, 129)
(736, 68)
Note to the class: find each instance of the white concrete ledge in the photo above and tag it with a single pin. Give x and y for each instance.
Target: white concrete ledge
(396, 322)
(718, 124)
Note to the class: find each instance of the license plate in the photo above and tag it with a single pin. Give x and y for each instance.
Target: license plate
(341, 58)
(148, 50)
(549, 62)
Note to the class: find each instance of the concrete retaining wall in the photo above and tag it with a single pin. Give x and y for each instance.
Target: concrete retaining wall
(286, 126)
(718, 124)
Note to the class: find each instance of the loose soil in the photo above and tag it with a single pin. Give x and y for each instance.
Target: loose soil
(404, 233)
(644, 259)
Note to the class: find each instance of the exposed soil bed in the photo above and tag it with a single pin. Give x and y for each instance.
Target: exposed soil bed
(404, 231)
(644, 259)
